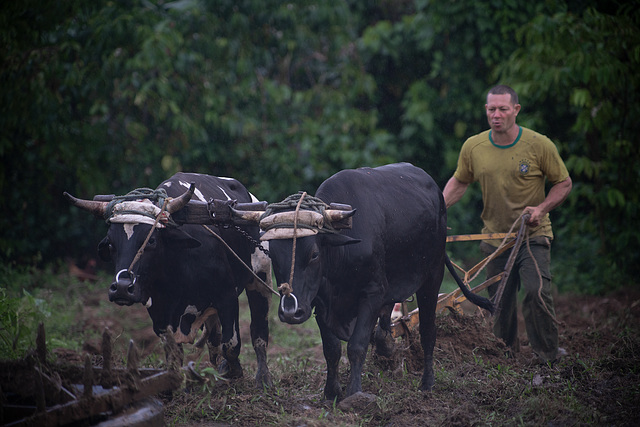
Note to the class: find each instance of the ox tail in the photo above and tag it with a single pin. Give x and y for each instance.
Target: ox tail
(481, 302)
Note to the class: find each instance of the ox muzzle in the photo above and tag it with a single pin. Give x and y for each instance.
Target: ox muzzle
(290, 311)
(124, 290)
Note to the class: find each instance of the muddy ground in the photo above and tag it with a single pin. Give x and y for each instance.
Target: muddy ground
(598, 383)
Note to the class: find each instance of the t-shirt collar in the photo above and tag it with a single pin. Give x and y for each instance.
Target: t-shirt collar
(510, 145)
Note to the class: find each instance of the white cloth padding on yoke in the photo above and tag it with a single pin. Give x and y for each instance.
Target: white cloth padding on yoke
(125, 213)
(305, 218)
(287, 233)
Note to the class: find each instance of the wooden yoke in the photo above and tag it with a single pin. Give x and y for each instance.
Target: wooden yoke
(216, 212)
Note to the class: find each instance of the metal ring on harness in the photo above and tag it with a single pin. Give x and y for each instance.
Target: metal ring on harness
(295, 302)
(132, 276)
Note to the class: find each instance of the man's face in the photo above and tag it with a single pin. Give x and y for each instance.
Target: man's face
(501, 113)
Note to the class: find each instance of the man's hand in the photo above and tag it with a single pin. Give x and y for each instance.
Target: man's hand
(557, 194)
(535, 215)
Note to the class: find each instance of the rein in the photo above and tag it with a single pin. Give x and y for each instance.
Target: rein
(144, 245)
(262, 282)
(287, 288)
(160, 195)
(310, 204)
(523, 235)
(511, 260)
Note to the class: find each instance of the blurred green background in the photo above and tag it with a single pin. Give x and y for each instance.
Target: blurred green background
(102, 97)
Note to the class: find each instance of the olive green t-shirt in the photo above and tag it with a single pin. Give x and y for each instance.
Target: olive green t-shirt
(511, 177)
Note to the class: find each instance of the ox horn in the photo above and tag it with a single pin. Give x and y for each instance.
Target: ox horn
(251, 216)
(339, 218)
(334, 215)
(96, 208)
(178, 203)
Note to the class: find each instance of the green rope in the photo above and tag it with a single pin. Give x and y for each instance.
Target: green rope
(310, 203)
(157, 196)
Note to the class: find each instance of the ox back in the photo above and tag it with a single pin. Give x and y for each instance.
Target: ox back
(188, 279)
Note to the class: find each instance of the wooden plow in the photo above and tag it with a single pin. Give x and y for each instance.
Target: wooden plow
(453, 300)
(35, 392)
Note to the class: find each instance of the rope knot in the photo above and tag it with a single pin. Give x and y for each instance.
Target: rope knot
(285, 288)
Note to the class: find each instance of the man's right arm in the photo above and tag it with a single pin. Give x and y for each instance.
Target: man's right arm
(453, 191)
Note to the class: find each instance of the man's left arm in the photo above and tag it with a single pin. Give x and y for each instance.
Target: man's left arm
(557, 194)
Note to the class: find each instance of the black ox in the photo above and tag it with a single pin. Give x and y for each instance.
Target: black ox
(185, 276)
(353, 277)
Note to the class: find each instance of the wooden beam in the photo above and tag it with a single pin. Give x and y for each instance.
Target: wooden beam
(486, 236)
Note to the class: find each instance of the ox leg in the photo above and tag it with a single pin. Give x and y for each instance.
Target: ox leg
(332, 349)
(214, 339)
(358, 345)
(427, 314)
(230, 367)
(259, 307)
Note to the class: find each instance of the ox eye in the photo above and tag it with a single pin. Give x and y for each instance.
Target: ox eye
(315, 255)
(152, 241)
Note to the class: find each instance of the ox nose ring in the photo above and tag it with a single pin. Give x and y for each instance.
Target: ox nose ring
(132, 276)
(295, 302)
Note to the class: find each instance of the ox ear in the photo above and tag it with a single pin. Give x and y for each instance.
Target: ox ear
(103, 250)
(179, 239)
(336, 239)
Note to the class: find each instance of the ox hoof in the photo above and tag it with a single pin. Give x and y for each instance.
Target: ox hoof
(358, 402)
(426, 389)
(427, 383)
(230, 370)
(264, 381)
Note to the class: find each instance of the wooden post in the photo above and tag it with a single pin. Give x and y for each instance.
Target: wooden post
(106, 380)
(41, 401)
(41, 344)
(87, 377)
(132, 365)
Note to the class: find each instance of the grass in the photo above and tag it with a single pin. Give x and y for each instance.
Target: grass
(28, 297)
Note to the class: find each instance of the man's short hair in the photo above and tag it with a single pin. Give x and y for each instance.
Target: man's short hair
(504, 90)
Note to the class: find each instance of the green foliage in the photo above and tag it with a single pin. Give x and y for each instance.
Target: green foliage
(110, 96)
(103, 97)
(582, 67)
(29, 296)
(432, 68)
(19, 318)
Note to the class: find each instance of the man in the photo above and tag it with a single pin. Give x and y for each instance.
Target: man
(511, 163)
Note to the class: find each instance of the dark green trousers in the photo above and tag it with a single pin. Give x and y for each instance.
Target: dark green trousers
(541, 328)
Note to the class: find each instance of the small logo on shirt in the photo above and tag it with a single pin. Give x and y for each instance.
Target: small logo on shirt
(524, 166)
